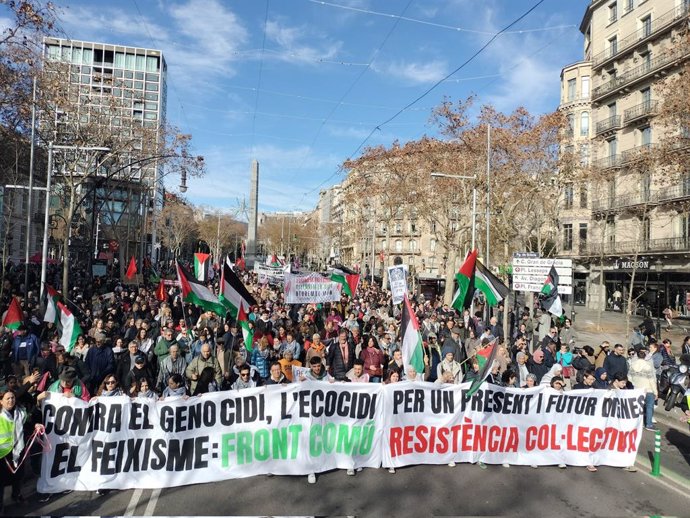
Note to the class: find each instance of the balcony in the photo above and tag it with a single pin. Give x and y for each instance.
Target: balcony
(672, 193)
(647, 68)
(641, 111)
(665, 20)
(607, 162)
(636, 153)
(666, 244)
(610, 124)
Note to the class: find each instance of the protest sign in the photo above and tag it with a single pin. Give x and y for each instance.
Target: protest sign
(538, 426)
(310, 288)
(397, 277)
(310, 427)
(271, 274)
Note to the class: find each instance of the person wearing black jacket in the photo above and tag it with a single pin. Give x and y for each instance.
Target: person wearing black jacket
(341, 356)
(616, 362)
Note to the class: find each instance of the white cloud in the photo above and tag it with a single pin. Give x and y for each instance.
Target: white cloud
(414, 72)
(292, 45)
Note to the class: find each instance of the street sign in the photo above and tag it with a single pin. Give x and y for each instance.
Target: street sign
(525, 255)
(567, 263)
(541, 270)
(539, 279)
(536, 287)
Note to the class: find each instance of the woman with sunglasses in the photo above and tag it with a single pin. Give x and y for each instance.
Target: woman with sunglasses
(109, 387)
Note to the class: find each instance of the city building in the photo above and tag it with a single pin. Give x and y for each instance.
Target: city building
(628, 227)
(131, 82)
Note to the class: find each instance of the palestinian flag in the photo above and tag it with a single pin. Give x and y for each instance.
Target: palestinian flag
(233, 294)
(485, 358)
(193, 292)
(346, 277)
(412, 352)
(274, 261)
(551, 300)
(14, 317)
(465, 280)
(201, 264)
(70, 328)
(247, 332)
(52, 299)
(486, 282)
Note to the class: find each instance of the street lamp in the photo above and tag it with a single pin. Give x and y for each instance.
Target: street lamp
(46, 221)
(658, 268)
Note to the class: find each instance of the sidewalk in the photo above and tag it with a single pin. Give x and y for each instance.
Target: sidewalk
(613, 329)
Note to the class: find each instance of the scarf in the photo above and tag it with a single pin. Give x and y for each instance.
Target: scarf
(148, 394)
(170, 392)
(114, 392)
(241, 384)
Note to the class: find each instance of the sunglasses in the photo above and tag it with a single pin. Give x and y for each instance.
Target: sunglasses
(244, 375)
(110, 382)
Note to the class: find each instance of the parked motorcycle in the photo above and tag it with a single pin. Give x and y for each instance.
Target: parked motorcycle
(674, 381)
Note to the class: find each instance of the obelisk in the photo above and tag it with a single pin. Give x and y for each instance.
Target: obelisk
(253, 214)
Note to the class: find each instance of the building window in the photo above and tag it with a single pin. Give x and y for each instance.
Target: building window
(567, 237)
(571, 124)
(568, 196)
(613, 46)
(583, 236)
(413, 227)
(612, 147)
(613, 12)
(432, 245)
(585, 87)
(413, 246)
(584, 155)
(629, 5)
(398, 245)
(646, 95)
(384, 245)
(612, 109)
(584, 124)
(646, 25)
(646, 136)
(584, 194)
(571, 89)
(398, 228)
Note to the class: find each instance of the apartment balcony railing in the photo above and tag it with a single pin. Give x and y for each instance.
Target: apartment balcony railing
(636, 153)
(607, 162)
(666, 244)
(643, 110)
(608, 124)
(671, 193)
(661, 22)
(638, 72)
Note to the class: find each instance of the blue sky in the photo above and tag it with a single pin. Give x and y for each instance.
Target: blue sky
(299, 84)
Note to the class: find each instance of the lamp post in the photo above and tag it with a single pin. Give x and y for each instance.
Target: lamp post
(46, 222)
(658, 268)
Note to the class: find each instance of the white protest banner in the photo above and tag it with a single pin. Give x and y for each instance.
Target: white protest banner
(539, 426)
(397, 277)
(310, 427)
(312, 287)
(118, 443)
(270, 274)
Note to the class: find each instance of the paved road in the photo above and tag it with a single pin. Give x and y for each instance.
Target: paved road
(417, 491)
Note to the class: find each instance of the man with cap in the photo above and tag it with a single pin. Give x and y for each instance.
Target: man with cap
(453, 342)
(139, 372)
(449, 370)
(68, 385)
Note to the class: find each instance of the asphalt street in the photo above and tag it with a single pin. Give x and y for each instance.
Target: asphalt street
(415, 491)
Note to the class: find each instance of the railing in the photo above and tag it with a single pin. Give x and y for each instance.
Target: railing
(632, 154)
(656, 25)
(644, 109)
(575, 99)
(665, 194)
(607, 162)
(666, 244)
(608, 124)
(639, 71)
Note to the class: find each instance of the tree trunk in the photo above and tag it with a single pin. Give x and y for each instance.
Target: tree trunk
(65, 244)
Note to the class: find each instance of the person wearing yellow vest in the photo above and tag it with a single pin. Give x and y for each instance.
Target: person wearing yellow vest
(12, 419)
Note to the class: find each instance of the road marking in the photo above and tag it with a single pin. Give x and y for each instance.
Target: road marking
(151, 506)
(643, 468)
(132, 506)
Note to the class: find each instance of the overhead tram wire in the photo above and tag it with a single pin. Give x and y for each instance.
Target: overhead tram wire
(435, 24)
(258, 82)
(354, 83)
(427, 92)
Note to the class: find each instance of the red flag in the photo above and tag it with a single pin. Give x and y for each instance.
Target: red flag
(14, 316)
(161, 292)
(131, 269)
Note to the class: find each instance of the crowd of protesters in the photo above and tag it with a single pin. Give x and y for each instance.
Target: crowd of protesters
(140, 344)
